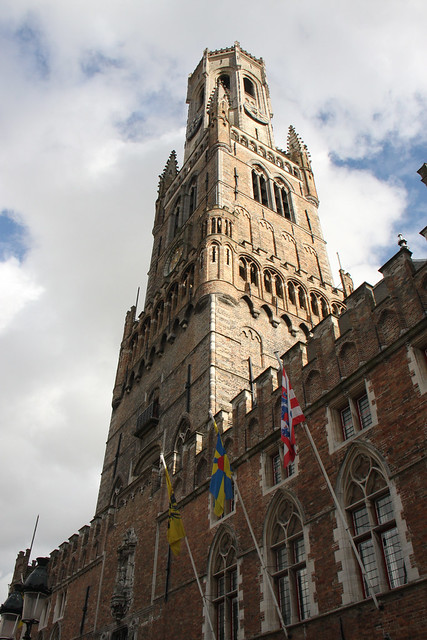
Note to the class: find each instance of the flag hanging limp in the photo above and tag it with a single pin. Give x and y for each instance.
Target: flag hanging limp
(176, 530)
(291, 415)
(221, 486)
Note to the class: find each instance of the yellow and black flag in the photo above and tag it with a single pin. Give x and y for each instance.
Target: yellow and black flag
(176, 530)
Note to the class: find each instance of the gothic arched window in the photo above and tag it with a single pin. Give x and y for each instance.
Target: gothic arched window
(249, 87)
(370, 512)
(192, 196)
(301, 298)
(225, 79)
(267, 281)
(243, 269)
(259, 185)
(158, 315)
(254, 274)
(172, 298)
(314, 305)
(187, 281)
(287, 561)
(179, 445)
(282, 200)
(319, 306)
(176, 221)
(224, 587)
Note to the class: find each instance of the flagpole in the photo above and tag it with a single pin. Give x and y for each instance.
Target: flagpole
(337, 504)
(162, 458)
(264, 568)
(341, 514)
(200, 588)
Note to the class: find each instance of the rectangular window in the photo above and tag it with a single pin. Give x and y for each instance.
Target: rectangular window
(277, 464)
(347, 423)
(299, 550)
(282, 558)
(367, 555)
(364, 412)
(234, 618)
(302, 593)
(393, 558)
(277, 471)
(355, 416)
(285, 599)
(361, 521)
(221, 621)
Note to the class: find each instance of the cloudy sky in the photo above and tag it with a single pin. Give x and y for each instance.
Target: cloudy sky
(92, 103)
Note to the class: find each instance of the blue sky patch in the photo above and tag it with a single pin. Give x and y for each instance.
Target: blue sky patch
(149, 120)
(13, 237)
(95, 62)
(30, 40)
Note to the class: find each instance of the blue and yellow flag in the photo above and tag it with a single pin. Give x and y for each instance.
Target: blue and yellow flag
(176, 530)
(221, 486)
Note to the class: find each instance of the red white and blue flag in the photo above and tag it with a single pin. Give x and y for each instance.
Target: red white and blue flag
(291, 415)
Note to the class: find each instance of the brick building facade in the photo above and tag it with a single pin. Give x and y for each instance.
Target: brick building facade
(239, 271)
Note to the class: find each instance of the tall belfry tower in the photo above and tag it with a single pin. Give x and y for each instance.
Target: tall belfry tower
(238, 270)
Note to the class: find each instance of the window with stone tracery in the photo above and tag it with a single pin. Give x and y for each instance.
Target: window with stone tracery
(224, 585)
(281, 199)
(260, 188)
(192, 196)
(319, 306)
(370, 512)
(287, 561)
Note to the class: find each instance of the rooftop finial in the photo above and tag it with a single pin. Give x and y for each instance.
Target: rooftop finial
(402, 242)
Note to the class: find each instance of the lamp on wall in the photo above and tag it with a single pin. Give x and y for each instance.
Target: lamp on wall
(25, 603)
(11, 612)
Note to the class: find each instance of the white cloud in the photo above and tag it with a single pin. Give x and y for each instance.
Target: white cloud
(17, 289)
(95, 102)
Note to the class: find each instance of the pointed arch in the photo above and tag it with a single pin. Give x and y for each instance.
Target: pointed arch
(286, 544)
(222, 584)
(369, 500)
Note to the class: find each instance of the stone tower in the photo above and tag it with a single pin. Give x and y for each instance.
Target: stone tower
(238, 270)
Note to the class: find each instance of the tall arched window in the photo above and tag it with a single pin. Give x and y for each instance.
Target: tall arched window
(224, 587)
(158, 315)
(287, 561)
(249, 87)
(171, 299)
(254, 274)
(179, 445)
(192, 196)
(301, 298)
(259, 185)
(187, 281)
(319, 306)
(224, 78)
(267, 281)
(176, 221)
(282, 200)
(372, 521)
